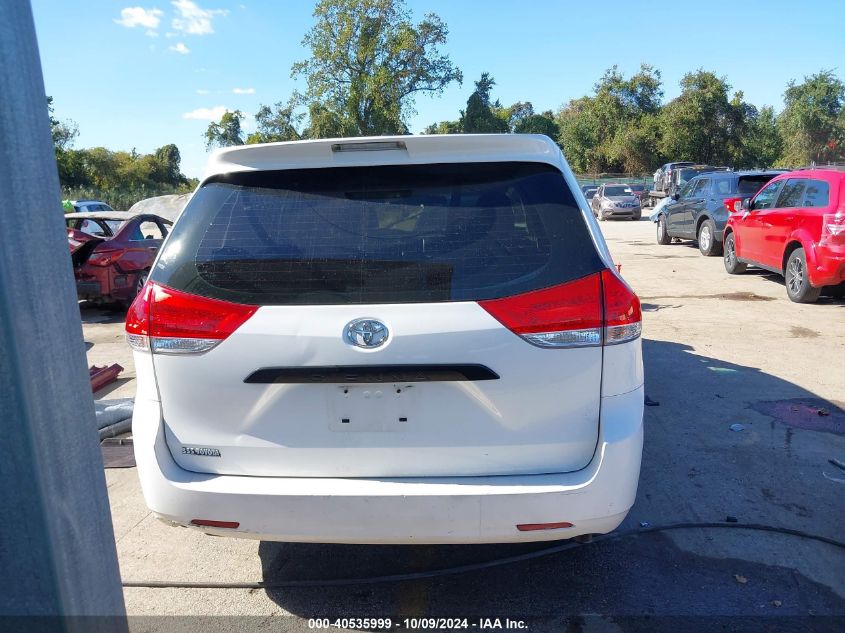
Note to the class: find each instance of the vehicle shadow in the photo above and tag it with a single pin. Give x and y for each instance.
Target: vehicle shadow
(695, 468)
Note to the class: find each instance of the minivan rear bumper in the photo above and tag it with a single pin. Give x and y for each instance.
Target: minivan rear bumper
(421, 510)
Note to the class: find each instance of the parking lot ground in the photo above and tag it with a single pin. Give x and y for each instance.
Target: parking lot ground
(719, 351)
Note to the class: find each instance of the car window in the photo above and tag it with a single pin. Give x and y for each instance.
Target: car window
(700, 187)
(816, 193)
(92, 227)
(767, 196)
(383, 234)
(686, 190)
(148, 230)
(723, 186)
(791, 194)
(617, 191)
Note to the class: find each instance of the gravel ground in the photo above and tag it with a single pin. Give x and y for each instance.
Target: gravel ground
(719, 351)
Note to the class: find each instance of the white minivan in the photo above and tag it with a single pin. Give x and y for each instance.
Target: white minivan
(414, 339)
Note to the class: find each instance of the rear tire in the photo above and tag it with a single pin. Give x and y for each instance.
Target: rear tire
(732, 264)
(798, 287)
(662, 236)
(707, 243)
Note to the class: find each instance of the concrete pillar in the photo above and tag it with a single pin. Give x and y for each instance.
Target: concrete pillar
(57, 551)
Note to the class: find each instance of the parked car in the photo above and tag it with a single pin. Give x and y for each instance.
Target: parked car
(794, 226)
(698, 212)
(616, 201)
(639, 191)
(112, 252)
(340, 338)
(86, 206)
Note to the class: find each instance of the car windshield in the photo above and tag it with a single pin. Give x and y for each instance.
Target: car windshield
(636, 187)
(617, 191)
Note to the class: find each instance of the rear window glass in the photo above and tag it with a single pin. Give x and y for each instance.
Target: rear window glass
(816, 194)
(749, 185)
(384, 234)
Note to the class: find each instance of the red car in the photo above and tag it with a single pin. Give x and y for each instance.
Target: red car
(794, 226)
(112, 252)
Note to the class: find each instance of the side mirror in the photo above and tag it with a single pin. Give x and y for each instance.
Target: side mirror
(676, 196)
(746, 204)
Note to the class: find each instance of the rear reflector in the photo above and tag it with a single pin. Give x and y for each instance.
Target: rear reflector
(217, 524)
(594, 310)
(531, 527)
(167, 321)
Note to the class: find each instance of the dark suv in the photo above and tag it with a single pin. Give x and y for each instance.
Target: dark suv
(698, 211)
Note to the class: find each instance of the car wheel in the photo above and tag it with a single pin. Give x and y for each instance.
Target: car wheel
(707, 243)
(140, 281)
(732, 264)
(662, 236)
(798, 287)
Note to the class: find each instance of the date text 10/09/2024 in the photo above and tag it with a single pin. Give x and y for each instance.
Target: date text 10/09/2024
(384, 624)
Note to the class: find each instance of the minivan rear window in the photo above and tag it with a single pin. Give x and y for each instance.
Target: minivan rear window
(379, 234)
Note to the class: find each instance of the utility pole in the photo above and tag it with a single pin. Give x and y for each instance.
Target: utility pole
(57, 550)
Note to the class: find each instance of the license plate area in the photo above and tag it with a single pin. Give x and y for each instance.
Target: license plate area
(371, 408)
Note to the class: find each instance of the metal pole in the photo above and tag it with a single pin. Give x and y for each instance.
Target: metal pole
(57, 550)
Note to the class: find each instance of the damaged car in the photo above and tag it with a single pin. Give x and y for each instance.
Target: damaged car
(112, 252)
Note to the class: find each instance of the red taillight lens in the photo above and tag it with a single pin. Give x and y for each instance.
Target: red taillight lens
(733, 205)
(833, 228)
(104, 258)
(164, 321)
(594, 310)
(622, 313)
(568, 315)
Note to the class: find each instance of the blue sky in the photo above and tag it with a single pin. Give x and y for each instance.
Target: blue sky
(144, 73)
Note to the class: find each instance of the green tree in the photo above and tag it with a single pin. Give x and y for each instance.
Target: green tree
(596, 131)
(277, 123)
(226, 132)
(579, 135)
(368, 62)
(479, 116)
(444, 127)
(703, 124)
(64, 132)
(166, 165)
(812, 122)
(539, 124)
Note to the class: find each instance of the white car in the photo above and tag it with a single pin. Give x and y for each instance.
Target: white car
(415, 339)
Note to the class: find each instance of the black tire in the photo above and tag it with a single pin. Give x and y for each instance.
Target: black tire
(707, 242)
(662, 235)
(732, 264)
(798, 287)
(140, 280)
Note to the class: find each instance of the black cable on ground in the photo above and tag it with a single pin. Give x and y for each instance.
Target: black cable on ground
(462, 569)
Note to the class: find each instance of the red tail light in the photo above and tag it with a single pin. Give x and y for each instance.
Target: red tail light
(594, 310)
(833, 228)
(733, 205)
(167, 321)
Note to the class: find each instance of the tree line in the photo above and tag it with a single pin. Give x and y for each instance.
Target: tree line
(369, 61)
(121, 178)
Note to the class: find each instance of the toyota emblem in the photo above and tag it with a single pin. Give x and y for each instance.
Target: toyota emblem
(366, 333)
